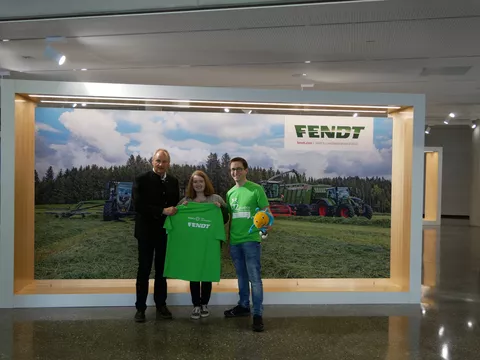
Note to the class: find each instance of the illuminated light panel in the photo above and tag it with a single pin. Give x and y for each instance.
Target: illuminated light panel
(209, 107)
(216, 102)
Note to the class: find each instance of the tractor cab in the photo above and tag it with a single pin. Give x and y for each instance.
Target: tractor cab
(119, 202)
(124, 196)
(272, 190)
(338, 193)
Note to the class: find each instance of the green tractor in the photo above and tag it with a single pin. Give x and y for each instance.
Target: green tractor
(337, 201)
(325, 200)
(302, 199)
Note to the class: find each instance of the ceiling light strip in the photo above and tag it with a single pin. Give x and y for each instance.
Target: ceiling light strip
(210, 107)
(216, 102)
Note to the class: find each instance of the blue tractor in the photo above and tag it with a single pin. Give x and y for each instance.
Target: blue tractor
(120, 202)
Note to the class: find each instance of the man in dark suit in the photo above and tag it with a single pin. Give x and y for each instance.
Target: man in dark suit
(155, 194)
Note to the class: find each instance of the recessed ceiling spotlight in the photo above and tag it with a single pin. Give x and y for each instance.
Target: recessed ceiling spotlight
(427, 130)
(84, 69)
(55, 55)
(474, 124)
(307, 62)
(84, 104)
(74, 105)
(452, 115)
(355, 114)
(5, 40)
(227, 110)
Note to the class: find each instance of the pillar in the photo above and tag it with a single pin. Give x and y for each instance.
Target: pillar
(475, 184)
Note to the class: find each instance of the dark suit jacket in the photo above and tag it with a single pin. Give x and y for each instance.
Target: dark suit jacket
(151, 195)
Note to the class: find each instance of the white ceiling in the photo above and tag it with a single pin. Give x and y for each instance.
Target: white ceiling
(374, 46)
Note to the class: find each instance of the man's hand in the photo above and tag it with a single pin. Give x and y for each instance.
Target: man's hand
(172, 210)
(217, 204)
(185, 202)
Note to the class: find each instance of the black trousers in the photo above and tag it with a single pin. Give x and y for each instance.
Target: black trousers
(148, 249)
(200, 293)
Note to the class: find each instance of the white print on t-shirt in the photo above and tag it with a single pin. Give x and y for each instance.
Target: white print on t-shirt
(234, 203)
(198, 218)
(198, 225)
(241, 215)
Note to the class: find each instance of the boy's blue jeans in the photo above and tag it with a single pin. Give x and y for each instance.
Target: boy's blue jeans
(246, 259)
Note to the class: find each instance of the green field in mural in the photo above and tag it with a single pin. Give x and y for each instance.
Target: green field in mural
(298, 247)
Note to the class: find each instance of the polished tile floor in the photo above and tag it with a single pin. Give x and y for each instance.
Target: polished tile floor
(446, 326)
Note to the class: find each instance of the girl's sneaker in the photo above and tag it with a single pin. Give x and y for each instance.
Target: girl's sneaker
(204, 311)
(195, 313)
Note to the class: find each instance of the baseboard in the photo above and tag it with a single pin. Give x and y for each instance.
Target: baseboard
(458, 217)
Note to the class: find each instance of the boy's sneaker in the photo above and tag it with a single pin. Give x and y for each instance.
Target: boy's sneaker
(204, 311)
(164, 313)
(237, 311)
(257, 323)
(195, 313)
(140, 316)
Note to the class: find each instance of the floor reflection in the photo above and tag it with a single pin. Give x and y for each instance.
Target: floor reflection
(446, 326)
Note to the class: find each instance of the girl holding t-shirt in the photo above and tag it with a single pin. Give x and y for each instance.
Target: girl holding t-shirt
(200, 189)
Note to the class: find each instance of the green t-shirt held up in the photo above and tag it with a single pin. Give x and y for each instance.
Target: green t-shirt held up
(193, 247)
(242, 202)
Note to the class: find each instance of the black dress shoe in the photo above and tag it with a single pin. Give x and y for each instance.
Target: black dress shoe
(237, 311)
(164, 313)
(257, 323)
(140, 316)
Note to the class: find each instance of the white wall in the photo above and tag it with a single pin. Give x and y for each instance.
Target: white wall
(457, 161)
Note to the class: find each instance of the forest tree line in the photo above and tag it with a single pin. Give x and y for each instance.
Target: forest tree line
(89, 183)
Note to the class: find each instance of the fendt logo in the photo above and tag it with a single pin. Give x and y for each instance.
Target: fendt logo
(333, 132)
(198, 225)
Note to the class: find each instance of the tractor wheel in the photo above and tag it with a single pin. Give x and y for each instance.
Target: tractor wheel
(345, 211)
(322, 210)
(108, 211)
(367, 211)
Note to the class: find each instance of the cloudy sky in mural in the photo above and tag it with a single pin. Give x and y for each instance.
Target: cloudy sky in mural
(79, 137)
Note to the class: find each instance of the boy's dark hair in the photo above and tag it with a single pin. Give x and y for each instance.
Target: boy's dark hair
(240, 159)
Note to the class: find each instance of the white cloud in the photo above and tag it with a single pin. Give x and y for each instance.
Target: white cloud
(387, 143)
(66, 156)
(275, 143)
(97, 129)
(45, 127)
(237, 127)
(95, 139)
(373, 163)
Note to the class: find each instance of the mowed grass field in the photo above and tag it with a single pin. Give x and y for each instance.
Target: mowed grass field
(311, 247)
